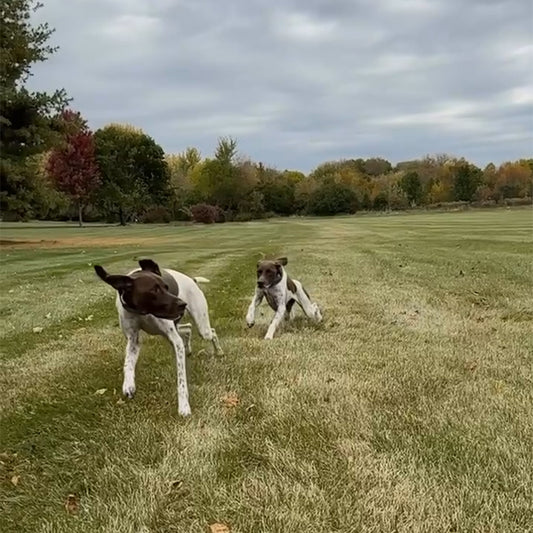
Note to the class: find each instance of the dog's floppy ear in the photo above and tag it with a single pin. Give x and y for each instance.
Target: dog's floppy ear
(151, 266)
(282, 260)
(120, 283)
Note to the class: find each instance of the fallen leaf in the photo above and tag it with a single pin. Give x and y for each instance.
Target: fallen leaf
(89, 318)
(72, 505)
(219, 528)
(230, 400)
(15, 480)
(101, 391)
(37, 329)
(10, 291)
(120, 401)
(177, 484)
(471, 366)
(48, 315)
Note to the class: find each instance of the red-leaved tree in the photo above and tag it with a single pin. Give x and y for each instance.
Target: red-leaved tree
(72, 166)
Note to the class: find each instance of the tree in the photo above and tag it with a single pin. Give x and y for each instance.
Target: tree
(376, 166)
(28, 124)
(412, 187)
(72, 165)
(467, 179)
(184, 169)
(133, 170)
(223, 181)
(226, 150)
(513, 180)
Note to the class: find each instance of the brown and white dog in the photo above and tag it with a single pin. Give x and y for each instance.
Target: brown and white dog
(281, 293)
(154, 301)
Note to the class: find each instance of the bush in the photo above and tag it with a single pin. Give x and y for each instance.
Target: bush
(205, 213)
(331, 199)
(381, 202)
(156, 214)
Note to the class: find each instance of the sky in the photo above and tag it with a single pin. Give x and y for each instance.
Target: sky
(300, 82)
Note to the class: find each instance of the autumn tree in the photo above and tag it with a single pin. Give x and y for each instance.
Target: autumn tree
(27, 119)
(513, 180)
(72, 165)
(224, 181)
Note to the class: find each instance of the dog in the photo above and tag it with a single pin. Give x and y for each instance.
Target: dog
(155, 300)
(281, 293)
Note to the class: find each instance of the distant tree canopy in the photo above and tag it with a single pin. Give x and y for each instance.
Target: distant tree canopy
(53, 167)
(28, 120)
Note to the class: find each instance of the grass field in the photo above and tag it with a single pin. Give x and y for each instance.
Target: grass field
(410, 409)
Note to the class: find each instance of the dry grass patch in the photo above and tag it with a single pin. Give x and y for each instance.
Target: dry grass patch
(409, 409)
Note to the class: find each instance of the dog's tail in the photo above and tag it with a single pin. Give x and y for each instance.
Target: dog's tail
(199, 279)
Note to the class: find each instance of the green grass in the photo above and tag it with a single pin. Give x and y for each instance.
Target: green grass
(410, 409)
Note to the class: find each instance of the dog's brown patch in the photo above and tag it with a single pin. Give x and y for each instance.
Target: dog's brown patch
(271, 301)
(291, 285)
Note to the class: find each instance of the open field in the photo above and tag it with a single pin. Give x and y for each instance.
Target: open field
(410, 409)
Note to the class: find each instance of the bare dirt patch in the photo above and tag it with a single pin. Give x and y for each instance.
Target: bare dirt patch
(76, 242)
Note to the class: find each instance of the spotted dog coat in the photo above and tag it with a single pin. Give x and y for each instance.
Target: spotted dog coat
(281, 293)
(154, 301)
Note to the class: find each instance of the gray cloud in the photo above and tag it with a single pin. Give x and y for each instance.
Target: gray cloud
(300, 82)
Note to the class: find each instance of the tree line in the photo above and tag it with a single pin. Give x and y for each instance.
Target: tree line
(52, 166)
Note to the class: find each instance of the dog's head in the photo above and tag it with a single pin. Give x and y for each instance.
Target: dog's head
(270, 272)
(145, 291)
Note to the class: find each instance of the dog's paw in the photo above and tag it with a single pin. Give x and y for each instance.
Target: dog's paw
(128, 390)
(269, 337)
(317, 314)
(184, 410)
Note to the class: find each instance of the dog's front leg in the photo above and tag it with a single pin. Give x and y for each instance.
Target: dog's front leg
(132, 354)
(185, 332)
(184, 408)
(256, 300)
(278, 317)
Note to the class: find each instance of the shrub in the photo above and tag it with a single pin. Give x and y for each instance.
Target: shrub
(156, 214)
(205, 213)
(331, 199)
(381, 202)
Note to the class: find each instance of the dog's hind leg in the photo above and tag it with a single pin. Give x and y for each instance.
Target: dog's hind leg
(310, 308)
(201, 319)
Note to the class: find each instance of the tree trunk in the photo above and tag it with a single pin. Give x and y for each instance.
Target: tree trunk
(80, 212)
(121, 216)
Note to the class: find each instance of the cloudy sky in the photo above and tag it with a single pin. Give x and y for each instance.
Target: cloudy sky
(298, 82)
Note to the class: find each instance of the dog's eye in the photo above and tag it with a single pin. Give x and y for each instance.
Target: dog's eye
(166, 287)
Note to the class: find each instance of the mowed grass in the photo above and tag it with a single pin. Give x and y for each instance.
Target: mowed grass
(410, 409)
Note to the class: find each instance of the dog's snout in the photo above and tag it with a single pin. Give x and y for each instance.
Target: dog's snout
(261, 284)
